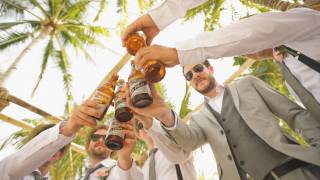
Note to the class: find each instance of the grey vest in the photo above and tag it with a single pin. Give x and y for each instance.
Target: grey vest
(252, 154)
(305, 96)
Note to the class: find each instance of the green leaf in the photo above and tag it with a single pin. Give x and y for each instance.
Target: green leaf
(8, 25)
(36, 4)
(185, 104)
(75, 11)
(48, 52)
(102, 6)
(12, 39)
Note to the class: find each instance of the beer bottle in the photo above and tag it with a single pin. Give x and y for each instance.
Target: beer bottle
(104, 95)
(140, 93)
(134, 42)
(154, 71)
(115, 136)
(122, 112)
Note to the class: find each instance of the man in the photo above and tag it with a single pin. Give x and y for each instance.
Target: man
(101, 165)
(164, 162)
(298, 29)
(240, 122)
(46, 146)
(12, 168)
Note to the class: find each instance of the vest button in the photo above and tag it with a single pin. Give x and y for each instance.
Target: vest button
(223, 119)
(229, 157)
(235, 146)
(222, 132)
(228, 131)
(242, 163)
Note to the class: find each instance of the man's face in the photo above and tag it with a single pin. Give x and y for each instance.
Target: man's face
(97, 147)
(201, 79)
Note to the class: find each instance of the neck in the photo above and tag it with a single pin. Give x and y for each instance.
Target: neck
(44, 169)
(211, 94)
(94, 161)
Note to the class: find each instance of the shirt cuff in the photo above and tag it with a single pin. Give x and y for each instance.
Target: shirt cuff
(163, 16)
(175, 122)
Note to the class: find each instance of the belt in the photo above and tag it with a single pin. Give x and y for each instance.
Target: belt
(285, 168)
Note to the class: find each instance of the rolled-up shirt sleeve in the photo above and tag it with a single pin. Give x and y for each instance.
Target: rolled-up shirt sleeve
(33, 154)
(170, 10)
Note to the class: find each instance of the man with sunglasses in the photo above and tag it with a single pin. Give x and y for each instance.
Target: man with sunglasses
(298, 29)
(241, 123)
(101, 166)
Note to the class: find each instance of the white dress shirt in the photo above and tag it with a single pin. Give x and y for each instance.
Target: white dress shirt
(298, 28)
(33, 154)
(116, 173)
(167, 156)
(216, 102)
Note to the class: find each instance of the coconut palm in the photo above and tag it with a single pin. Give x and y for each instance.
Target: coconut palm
(60, 23)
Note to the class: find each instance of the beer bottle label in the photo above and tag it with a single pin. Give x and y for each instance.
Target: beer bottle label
(120, 103)
(115, 129)
(103, 99)
(139, 86)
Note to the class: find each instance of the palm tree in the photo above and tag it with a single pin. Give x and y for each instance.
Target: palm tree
(60, 23)
(281, 5)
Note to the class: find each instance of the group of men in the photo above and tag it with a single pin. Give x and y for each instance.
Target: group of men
(239, 121)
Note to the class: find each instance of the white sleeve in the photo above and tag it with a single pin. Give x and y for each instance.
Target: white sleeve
(33, 154)
(266, 30)
(170, 10)
(167, 145)
(134, 173)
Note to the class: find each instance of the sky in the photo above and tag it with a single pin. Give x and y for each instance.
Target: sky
(87, 75)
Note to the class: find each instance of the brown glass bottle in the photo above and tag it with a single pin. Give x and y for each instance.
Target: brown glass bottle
(140, 93)
(134, 42)
(104, 95)
(122, 112)
(115, 136)
(154, 71)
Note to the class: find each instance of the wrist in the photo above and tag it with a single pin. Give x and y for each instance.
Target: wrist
(124, 162)
(166, 117)
(69, 128)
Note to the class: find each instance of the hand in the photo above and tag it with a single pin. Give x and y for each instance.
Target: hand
(124, 154)
(278, 56)
(144, 24)
(83, 115)
(146, 121)
(158, 109)
(168, 56)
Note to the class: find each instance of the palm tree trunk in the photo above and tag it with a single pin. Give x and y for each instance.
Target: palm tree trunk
(115, 70)
(43, 33)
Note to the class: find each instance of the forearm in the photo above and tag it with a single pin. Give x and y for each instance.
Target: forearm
(125, 162)
(251, 35)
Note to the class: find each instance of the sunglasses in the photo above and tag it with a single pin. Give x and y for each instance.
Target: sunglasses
(96, 137)
(197, 68)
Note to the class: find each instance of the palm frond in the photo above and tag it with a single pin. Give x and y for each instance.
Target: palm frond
(13, 38)
(48, 52)
(38, 5)
(75, 11)
(8, 9)
(102, 6)
(122, 6)
(163, 93)
(13, 139)
(185, 104)
(18, 7)
(8, 25)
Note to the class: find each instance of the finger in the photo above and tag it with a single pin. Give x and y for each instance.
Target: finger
(129, 134)
(84, 120)
(129, 142)
(91, 103)
(127, 127)
(139, 56)
(133, 27)
(149, 40)
(89, 111)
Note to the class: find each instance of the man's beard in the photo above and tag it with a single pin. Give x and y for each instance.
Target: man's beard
(98, 154)
(210, 86)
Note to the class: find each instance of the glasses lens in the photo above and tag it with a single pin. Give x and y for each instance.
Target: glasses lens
(96, 137)
(188, 76)
(198, 68)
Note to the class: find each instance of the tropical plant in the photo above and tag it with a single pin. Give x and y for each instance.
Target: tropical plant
(60, 23)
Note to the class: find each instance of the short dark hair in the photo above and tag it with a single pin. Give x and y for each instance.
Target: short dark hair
(206, 63)
(39, 129)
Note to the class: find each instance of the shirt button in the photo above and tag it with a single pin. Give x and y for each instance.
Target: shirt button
(229, 157)
(242, 163)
